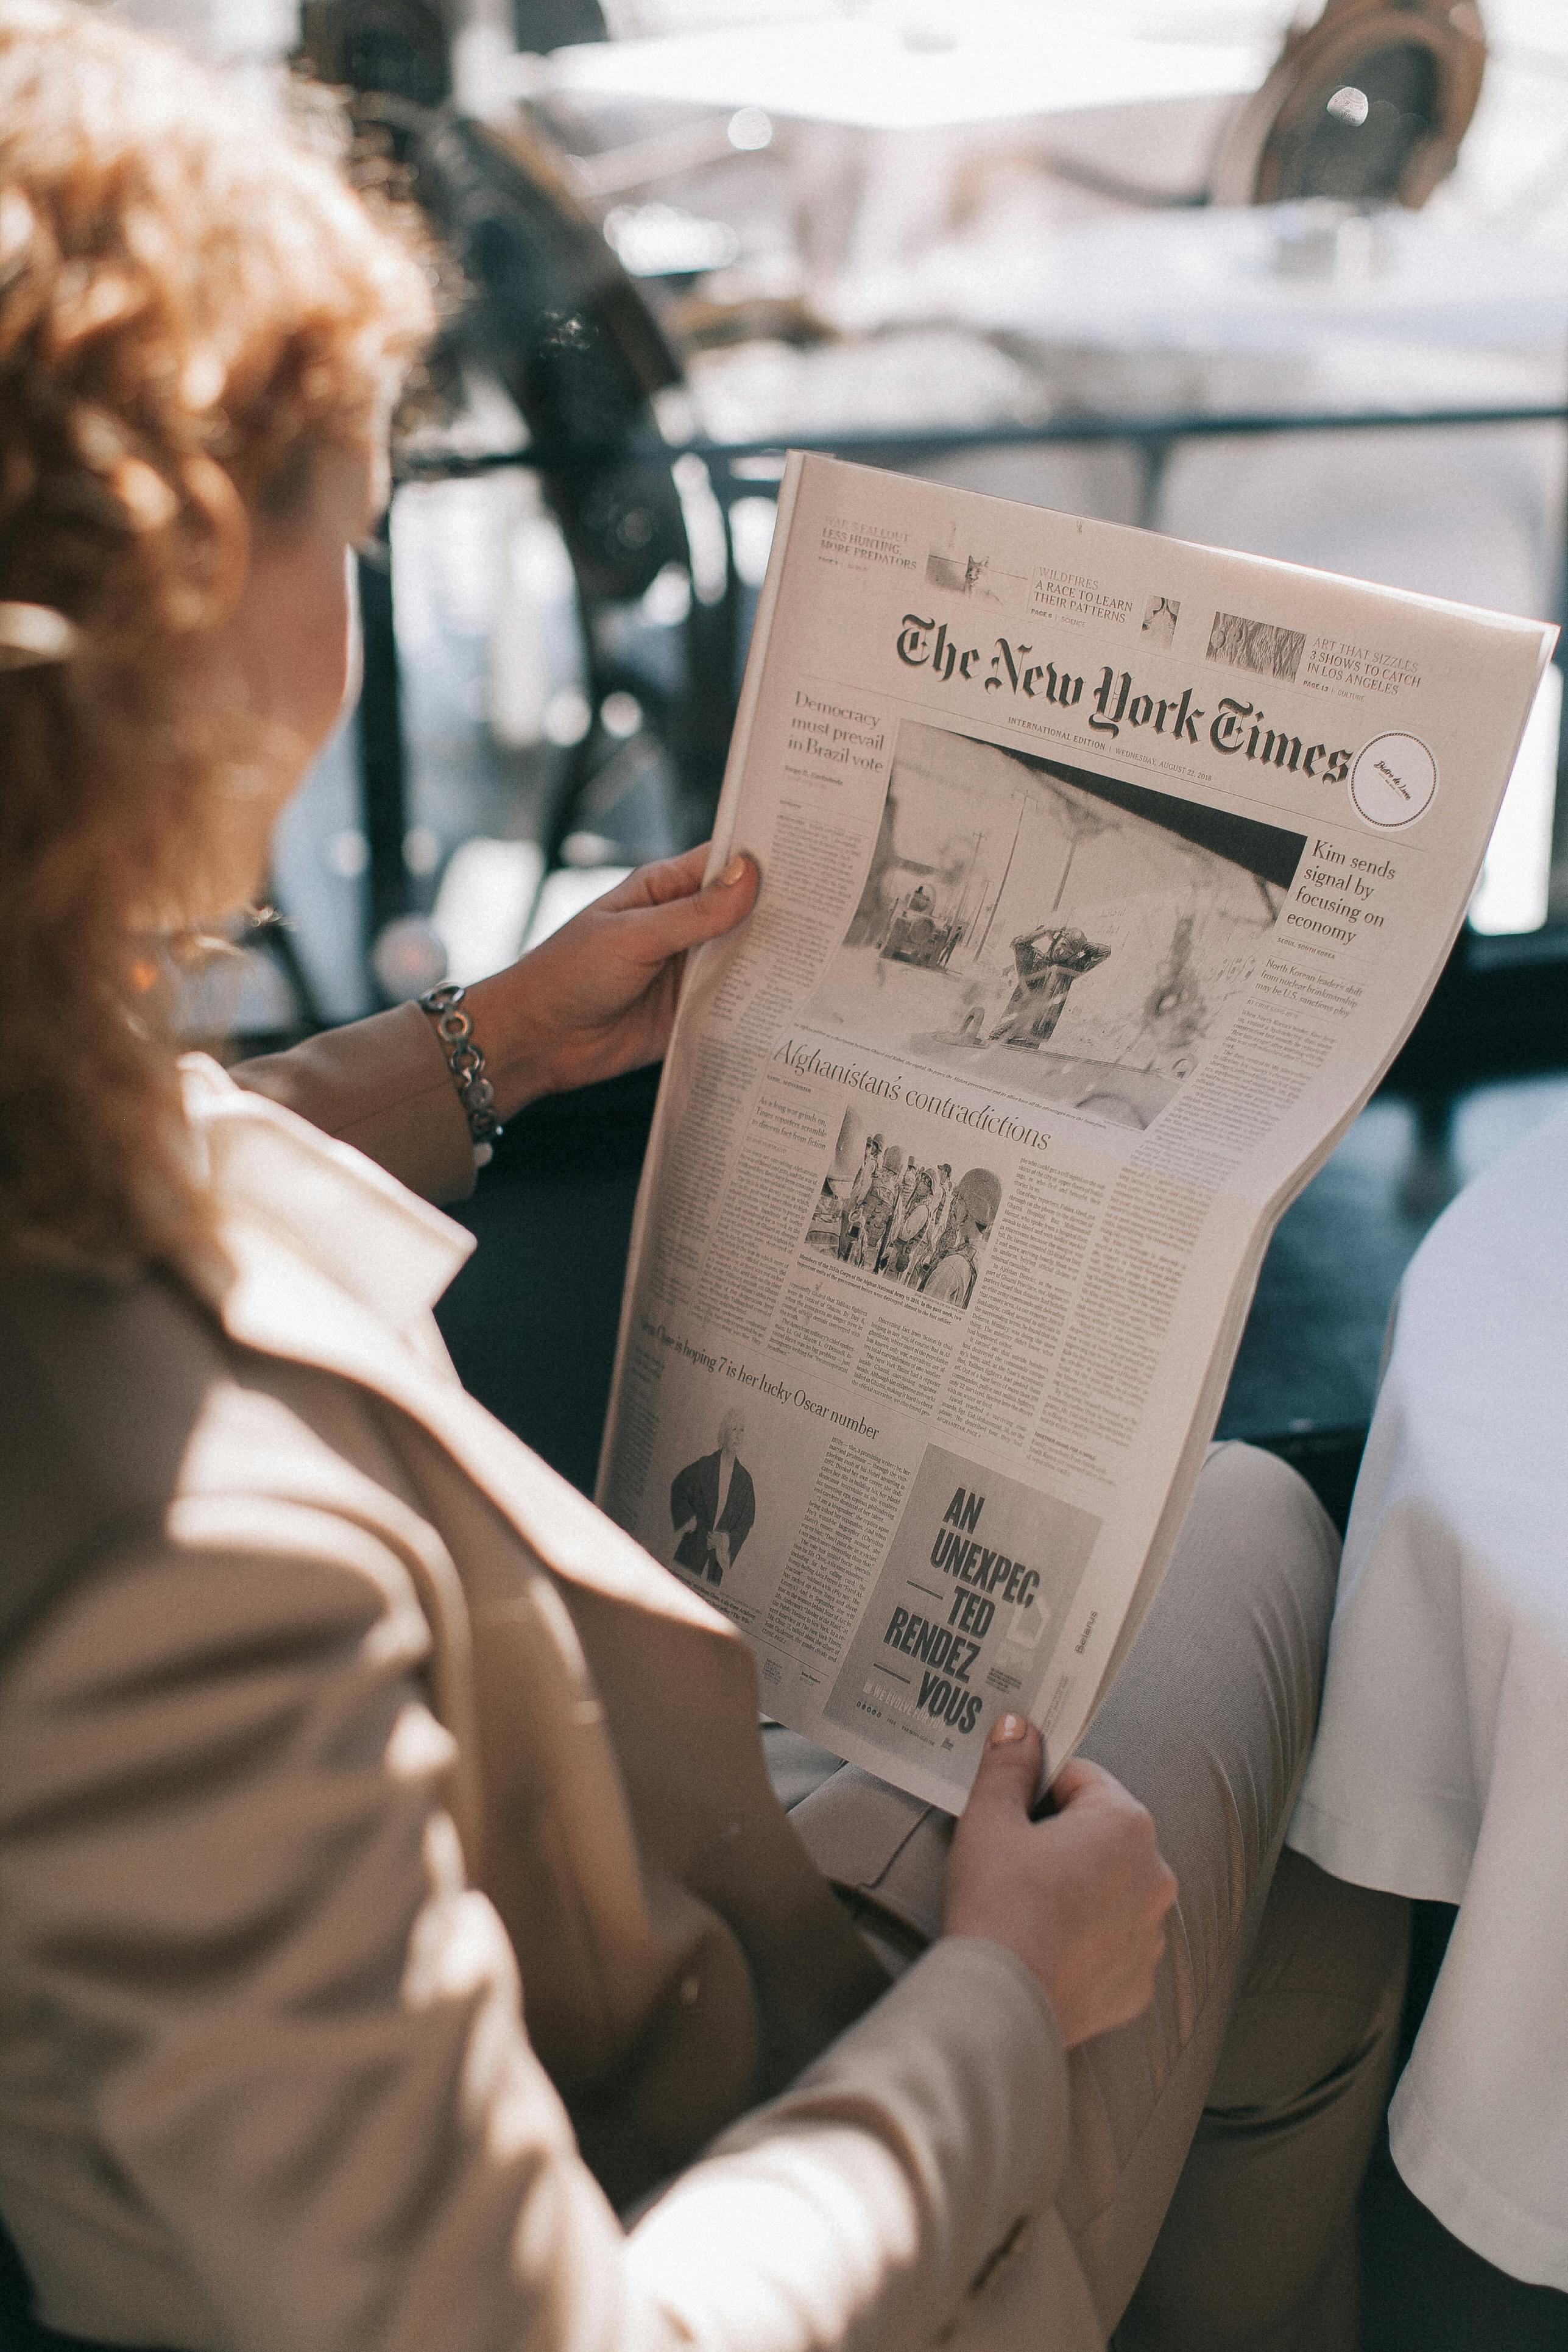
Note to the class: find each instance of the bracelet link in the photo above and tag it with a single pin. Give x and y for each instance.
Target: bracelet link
(454, 1026)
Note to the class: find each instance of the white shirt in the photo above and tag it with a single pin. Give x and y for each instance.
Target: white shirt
(1441, 1764)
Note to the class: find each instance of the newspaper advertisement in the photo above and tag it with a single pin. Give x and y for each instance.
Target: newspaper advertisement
(1103, 875)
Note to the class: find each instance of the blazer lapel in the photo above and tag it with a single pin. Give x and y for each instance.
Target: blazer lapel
(334, 1264)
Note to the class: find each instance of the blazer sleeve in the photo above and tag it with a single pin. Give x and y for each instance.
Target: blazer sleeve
(382, 1084)
(228, 1881)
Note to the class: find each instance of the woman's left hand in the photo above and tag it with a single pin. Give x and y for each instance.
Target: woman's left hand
(598, 997)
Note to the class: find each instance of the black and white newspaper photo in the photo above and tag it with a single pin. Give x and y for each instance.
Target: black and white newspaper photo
(1103, 877)
(890, 1206)
(1071, 938)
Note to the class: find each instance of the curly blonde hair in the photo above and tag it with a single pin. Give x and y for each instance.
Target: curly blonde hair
(193, 300)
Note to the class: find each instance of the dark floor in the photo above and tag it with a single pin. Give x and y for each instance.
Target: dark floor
(532, 1322)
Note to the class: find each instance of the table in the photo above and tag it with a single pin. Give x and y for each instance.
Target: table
(884, 117)
(1441, 1764)
(988, 61)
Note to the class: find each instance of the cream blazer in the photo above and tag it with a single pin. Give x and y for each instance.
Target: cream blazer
(337, 1735)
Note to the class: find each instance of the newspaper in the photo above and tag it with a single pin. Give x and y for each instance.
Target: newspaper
(1104, 877)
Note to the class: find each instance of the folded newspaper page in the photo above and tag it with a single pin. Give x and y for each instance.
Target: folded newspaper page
(1104, 877)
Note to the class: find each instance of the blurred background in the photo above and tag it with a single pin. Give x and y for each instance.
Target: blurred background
(1290, 280)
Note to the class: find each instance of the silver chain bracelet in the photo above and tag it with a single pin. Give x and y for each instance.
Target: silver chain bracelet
(455, 1028)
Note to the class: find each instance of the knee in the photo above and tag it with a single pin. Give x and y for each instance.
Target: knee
(1248, 1481)
(1240, 1628)
(1257, 2246)
(1317, 2019)
(1257, 1518)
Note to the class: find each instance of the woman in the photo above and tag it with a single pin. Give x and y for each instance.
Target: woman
(326, 1712)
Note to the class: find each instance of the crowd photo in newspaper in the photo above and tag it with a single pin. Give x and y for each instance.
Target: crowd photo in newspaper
(1103, 877)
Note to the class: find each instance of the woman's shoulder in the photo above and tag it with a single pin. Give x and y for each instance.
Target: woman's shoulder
(123, 1403)
(102, 1381)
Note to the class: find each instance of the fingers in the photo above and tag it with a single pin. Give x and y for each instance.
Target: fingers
(1009, 1769)
(734, 892)
(665, 878)
(668, 879)
(707, 913)
(673, 914)
(1079, 1778)
(1091, 1791)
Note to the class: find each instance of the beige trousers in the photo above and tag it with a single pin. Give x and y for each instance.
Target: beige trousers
(1219, 2142)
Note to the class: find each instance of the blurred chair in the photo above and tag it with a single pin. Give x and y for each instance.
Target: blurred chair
(539, 24)
(401, 48)
(1367, 105)
(551, 315)
(555, 319)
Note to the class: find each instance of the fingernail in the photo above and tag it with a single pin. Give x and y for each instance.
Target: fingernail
(735, 871)
(1007, 1728)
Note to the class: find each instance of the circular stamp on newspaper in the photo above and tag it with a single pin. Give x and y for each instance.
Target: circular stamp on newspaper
(1393, 780)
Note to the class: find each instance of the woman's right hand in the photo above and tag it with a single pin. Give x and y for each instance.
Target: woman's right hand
(1080, 1896)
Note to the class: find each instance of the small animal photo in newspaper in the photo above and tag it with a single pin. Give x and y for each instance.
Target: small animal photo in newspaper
(1261, 646)
(1048, 932)
(957, 567)
(903, 1201)
(1159, 617)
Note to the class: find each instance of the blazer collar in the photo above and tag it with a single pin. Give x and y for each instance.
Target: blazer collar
(334, 1263)
(333, 1208)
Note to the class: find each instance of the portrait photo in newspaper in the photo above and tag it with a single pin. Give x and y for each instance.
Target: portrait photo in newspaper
(1051, 933)
(713, 1503)
(773, 1498)
(709, 1509)
(901, 1202)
